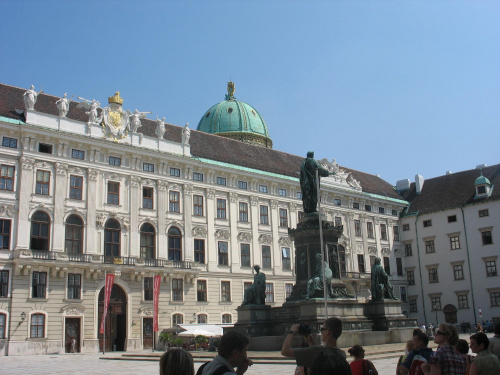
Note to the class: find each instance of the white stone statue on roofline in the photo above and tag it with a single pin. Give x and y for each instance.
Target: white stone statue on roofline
(160, 127)
(135, 120)
(30, 97)
(63, 105)
(91, 106)
(186, 134)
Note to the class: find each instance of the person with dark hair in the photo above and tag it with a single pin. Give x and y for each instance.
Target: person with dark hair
(232, 353)
(360, 365)
(419, 356)
(445, 361)
(494, 346)
(463, 348)
(330, 332)
(485, 363)
(175, 362)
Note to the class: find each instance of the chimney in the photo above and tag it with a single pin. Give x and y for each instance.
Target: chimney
(403, 185)
(480, 166)
(448, 173)
(419, 183)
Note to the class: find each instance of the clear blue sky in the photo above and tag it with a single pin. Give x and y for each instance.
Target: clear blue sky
(392, 88)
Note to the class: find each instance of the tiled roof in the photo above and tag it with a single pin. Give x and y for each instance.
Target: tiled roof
(203, 145)
(450, 191)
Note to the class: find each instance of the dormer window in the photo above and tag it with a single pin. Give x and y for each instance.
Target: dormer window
(483, 187)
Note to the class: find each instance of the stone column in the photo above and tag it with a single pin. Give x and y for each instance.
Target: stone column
(187, 212)
(255, 219)
(234, 251)
(60, 195)
(162, 251)
(135, 204)
(92, 200)
(25, 188)
(212, 257)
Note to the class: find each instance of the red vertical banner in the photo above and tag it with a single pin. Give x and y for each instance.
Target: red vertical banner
(110, 278)
(156, 296)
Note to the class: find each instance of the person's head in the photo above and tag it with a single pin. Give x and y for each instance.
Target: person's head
(410, 346)
(421, 340)
(462, 346)
(357, 351)
(416, 331)
(310, 154)
(325, 364)
(446, 334)
(176, 361)
(233, 347)
(331, 329)
(479, 342)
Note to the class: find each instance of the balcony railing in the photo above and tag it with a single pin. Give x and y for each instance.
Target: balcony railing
(43, 254)
(72, 257)
(182, 264)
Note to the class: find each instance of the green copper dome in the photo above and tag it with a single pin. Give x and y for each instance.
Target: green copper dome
(234, 119)
(481, 180)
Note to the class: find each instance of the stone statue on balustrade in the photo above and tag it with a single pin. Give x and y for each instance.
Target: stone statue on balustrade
(186, 134)
(135, 120)
(381, 287)
(91, 106)
(256, 293)
(63, 105)
(30, 97)
(308, 182)
(160, 127)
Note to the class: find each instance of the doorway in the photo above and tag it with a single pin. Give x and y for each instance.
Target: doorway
(72, 335)
(450, 314)
(115, 330)
(147, 333)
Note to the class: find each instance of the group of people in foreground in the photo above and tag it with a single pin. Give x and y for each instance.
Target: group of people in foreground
(451, 357)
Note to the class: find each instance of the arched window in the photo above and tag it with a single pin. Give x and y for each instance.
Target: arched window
(174, 244)
(40, 226)
(148, 241)
(74, 234)
(202, 319)
(112, 231)
(177, 319)
(37, 328)
(226, 318)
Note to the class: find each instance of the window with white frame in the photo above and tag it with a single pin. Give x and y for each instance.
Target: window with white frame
(39, 285)
(263, 188)
(436, 303)
(9, 142)
(486, 237)
(42, 182)
(264, 215)
(243, 206)
(269, 292)
(202, 319)
(413, 305)
(288, 290)
(463, 301)
(454, 242)
(225, 287)
(113, 192)
(282, 192)
(433, 275)
(491, 267)
(406, 227)
(427, 223)
(4, 283)
(198, 176)
(197, 205)
(383, 232)
(484, 213)
(395, 232)
(223, 253)
(357, 228)
(78, 154)
(221, 181)
(495, 298)
(410, 277)
(37, 326)
(226, 319)
(245, 254)
(148, 289)
(285, 258)
(221, 209)
(201, 290)
(266, 256)
(76, 187)
(381, 210)
(429, 246)
(74, 285)
(174, 201)
(242, 185)
(147, 197)
(5, 226)
(199, 251)
(369, 229)
(177, 290)
(283, 217)
(148, 167)
(175, 172)
(7, 173)
(458, 271)
(338, 221)
(177, 319)
(113, 160)
(408, 249)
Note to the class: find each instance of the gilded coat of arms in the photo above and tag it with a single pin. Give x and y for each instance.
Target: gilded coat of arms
(115, 120)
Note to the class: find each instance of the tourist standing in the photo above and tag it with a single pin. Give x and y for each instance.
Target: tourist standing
(360, 365)
(485, 363)
(176, 362)
(446, 360)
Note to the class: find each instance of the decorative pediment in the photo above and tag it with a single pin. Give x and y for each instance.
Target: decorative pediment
(386, 251)
(76, 170)
(61, 168)
(146, 311)
(7, 210)
(254, 201)
(340, 176)
(233, 196)
(27, 163)
(398, 252)
(162, 185)
(285, 241)
(134, 181)
(188, 189)
(372, 250)
(200, 232)
(93, 173)
(100, 220)
(43, 164)
(72, 310)
(244, 237)
(76, 211)
(359, 248)
(222, 233)
(114, 176)
(210, 193)
(266, 238)
(149, 220)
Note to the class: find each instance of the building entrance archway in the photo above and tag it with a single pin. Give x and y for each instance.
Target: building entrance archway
(115, 332)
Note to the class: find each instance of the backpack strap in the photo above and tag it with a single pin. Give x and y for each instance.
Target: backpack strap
(220, 370)
(365, 367)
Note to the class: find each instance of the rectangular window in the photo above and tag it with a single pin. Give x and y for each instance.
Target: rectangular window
(399, 266)
(463, 301)
(175, 172)
(394, 213)
(242, 185)
(406, 227)
(452, 218)
(283, 217)
(113, 192)
(197, 205)
(458, 272)
(148, 289)
(199, 251)
(338, 221)
(361, 263)
(387, 265)
(177, 319)
(75, 187)
(484, 213)
(495, 299)
(427, 223)
(269, 292)
(429, 246)
(436, 303)
(408, 250)
(148, 167)
(9, 142)
(174, 201)
(355, 205)
(282, 192)
(198, 176)
(491, 268)
(245, 255)
(410, 277)
(202, 319)
(383, 232)
(74, 285)
(368, 207)
(223, 253)
(5, 234)
(221, 181)
(413, 305)
(45, 148)
(243, 212)
(263, 188)
(454, 242)
(369, 229)
(288, 289)
(39, 285)
(299, 195)
(221, 208)
(42, 182)
(147, 197)
(264, 215)
(113, 160)
(266, 256)
(285, 258)
(225, 287)
(381, 210)
(37, 328)
(4, 284)
(402, 292)
(433, 275)
(78, 154)
(177, 290)
(487, 238)
(357, 228)
(395, 231)
(7, 177)
(201, 290)
(337, 202)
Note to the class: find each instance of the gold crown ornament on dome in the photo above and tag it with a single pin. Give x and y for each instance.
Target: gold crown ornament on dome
(115, 98)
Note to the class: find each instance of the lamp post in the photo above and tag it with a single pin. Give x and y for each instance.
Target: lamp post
(23, 318)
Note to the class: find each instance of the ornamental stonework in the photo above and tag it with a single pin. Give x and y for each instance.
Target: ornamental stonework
(61, 169)
(27, 163)
(244, 237)
(222, 233)
(200, 232)
(386, 251)
(372, 250)
(7, 210)
(92, 173)
(285, 241)
(266, 238)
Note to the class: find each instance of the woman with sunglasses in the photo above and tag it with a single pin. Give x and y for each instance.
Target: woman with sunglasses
(446, 360)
